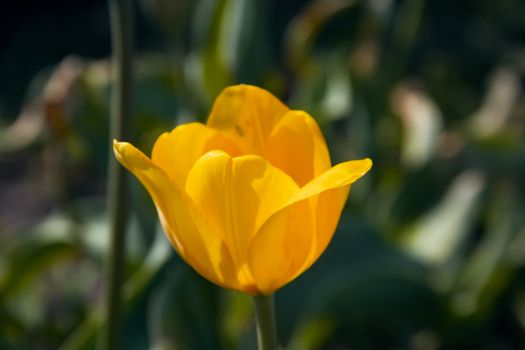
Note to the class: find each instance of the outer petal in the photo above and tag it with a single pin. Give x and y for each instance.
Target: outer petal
(178, 150)
(282, 246)
(297, 146)
(305, 240)
(327, 208)
(340, 175)
(193, 237)
(238, 195)
(247, 115)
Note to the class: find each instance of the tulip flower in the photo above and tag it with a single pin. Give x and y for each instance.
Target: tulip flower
(250, 200)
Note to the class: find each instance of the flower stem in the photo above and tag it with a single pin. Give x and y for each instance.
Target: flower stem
(122, 43)
(265, 316)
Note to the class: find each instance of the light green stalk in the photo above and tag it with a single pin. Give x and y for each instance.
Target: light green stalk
(265, 315)
(122, 42)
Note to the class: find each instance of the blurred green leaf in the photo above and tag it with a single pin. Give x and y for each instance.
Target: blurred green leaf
(438, 235)
(183, 313)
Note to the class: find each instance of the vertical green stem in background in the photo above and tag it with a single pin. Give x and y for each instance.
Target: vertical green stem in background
(265, 315)
(122, 42)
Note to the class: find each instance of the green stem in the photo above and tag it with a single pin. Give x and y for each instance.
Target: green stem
(122, 43)
(265, 315)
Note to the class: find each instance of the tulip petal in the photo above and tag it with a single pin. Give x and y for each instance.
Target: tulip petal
(247, 115)
(328, 194)
(297, 147)
(327, 208)
(238, 195)
(176, 152)
(195, 239)
(340, 175)
(289, 239)
(282, 246)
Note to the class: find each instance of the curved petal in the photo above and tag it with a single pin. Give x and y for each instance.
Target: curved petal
(282, 246)
(327, 208)
(297, 147)
(176, 152)
(194, 239)
(297, 243)
(238, 195)
(247, 115)
(328, 194)
(340, 175)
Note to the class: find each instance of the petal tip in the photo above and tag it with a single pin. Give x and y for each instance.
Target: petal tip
(245, 90)
(216, 153)
(129, 156)
(118, 147)
(360, 167)
(367, 165)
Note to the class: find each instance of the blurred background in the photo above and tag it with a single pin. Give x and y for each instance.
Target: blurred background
(430, 251)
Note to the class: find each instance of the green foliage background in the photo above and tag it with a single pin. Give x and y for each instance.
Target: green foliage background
(430, 251)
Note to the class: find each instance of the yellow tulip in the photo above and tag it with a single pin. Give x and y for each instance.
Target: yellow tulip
(250, 200)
